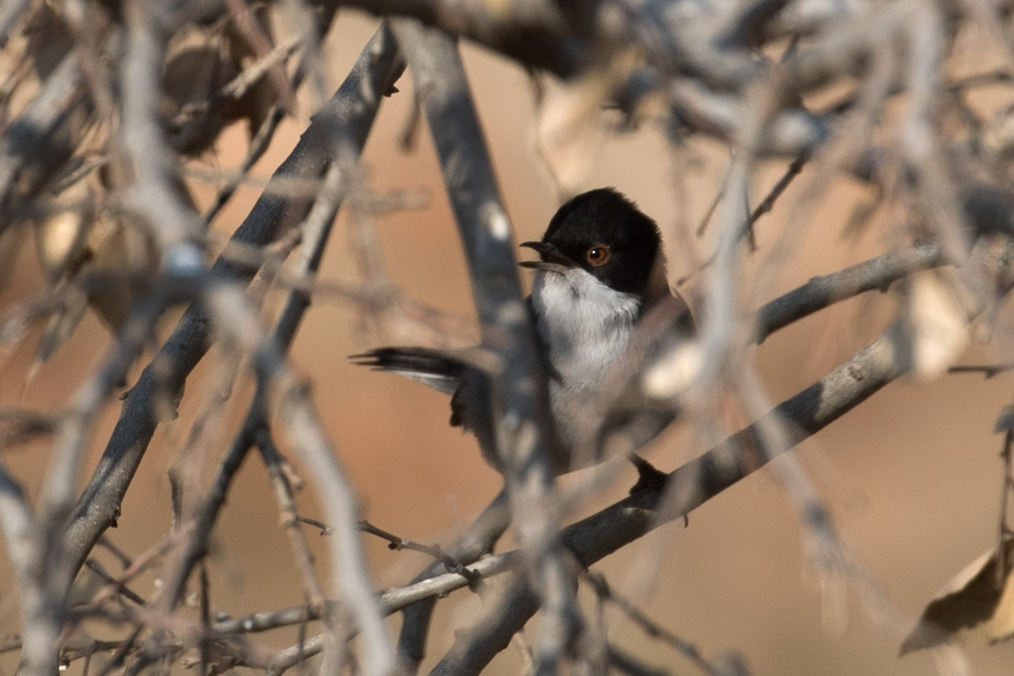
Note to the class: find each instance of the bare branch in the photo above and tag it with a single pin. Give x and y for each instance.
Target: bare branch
(342, 126)
(41, 138)
(871, 368)
(283, 494)
(99, 100)
(821, 292)
(524, 438)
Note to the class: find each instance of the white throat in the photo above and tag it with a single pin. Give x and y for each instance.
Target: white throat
(585, 325)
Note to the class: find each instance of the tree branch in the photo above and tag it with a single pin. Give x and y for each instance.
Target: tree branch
(527, 448)
(344, 123)
(694, 483)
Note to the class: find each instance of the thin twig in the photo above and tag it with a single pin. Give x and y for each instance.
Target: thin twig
(650, 627)
(397, 544)
(379, 67)
(250, 28)
(794, 169)
(987, 370)
(324, 528)
(273, 460)
(1003, 528)
(121, 588)
(262, 137)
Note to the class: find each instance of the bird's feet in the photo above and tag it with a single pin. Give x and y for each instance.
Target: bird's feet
(649, 477)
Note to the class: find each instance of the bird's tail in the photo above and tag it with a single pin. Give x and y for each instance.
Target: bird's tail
(432, 367)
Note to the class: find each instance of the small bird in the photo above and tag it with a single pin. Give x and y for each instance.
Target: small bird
(603, 313)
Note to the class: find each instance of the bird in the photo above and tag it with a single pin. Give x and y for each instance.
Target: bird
(603, 314)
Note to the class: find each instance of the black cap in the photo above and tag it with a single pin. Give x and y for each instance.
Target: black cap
(604, 233)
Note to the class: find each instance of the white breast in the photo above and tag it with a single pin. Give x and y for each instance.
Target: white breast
(587, 328)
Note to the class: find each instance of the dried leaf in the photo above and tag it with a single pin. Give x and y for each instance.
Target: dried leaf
(197, 65)
(61, 247)
(977, 605)
(117, 251)
(83, 240)
(49, 40)
(60, 238)
(939, 324)
(200, 62)
(256, 104)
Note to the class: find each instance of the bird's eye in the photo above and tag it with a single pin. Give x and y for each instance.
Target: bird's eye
(598, 255)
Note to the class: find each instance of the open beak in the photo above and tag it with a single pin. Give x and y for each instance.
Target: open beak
(551, 258)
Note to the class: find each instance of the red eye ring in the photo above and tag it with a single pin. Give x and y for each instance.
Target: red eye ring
(598, 255)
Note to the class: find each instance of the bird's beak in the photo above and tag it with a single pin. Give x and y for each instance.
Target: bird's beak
(551, 258)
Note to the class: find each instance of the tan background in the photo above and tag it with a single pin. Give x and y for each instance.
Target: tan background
(912, 476)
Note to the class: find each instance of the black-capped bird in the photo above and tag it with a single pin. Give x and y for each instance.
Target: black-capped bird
(611, 337)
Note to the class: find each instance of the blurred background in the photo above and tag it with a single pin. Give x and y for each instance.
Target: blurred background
(912, 476)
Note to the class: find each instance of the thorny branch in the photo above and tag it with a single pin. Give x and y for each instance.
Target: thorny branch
(861, 377)
(525, 438)
(699, 480)
(90, 98)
